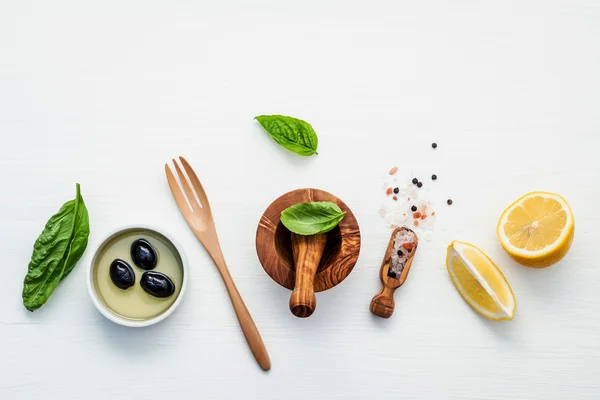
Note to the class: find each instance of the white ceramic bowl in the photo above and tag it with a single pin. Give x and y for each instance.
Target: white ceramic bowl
(105, 310)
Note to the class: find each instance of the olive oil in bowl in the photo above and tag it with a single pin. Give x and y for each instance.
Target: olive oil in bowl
(137, 277)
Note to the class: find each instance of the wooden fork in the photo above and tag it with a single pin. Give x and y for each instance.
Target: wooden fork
(200, 219)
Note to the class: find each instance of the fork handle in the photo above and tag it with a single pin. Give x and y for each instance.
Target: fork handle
(246, 323)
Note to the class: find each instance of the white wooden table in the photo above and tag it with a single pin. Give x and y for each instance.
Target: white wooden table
(104, 93)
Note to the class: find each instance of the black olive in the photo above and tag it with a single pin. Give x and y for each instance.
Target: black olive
(143, 254)
(121, 274)
(157, 284)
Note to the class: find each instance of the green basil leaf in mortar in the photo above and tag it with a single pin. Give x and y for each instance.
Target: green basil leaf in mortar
(312, 218)
(292, 133)
(56, 251)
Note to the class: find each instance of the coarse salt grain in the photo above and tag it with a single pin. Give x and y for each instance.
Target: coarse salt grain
(403, 244)
(397, 212)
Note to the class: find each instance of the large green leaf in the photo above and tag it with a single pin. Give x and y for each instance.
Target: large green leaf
(292, 133)
(56, 251)
(312, 218)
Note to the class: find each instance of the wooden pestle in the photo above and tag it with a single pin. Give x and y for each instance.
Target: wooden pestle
(308, 250)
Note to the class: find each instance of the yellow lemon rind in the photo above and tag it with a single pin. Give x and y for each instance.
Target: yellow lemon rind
(550, 254)
(467, 299)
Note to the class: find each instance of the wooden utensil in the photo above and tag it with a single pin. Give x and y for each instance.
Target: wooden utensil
(383, 304)
(200, 219)
(306, 264)
(308, 251)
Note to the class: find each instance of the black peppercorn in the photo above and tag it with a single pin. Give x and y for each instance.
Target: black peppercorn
(399, 253)
(449, 202)
(434, 145)
(434, 177)
(396, 190)
(413, 208)
(415, 181)
(419, 184)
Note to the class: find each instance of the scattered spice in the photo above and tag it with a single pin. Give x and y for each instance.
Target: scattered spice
(415, 181)
(417, 215)
(396, 190)
(423, 216)
(416, 222)
(433, 214)
(420, 184)
(393, 170)
(434, 145)
(399, 208)
(434, 177)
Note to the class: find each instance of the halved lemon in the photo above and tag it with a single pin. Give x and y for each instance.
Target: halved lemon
(480, 282)
(537, 230)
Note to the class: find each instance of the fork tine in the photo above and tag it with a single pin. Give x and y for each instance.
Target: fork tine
(196, 183)
(177, 193)
(188, 189)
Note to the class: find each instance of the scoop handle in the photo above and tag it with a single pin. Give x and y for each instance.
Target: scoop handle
(307, 250)
(383, 303)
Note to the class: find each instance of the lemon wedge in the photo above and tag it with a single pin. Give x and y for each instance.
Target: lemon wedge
(480, 282)
(537, 230)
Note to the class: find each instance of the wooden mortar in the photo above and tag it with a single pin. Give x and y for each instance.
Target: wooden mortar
(306, 264)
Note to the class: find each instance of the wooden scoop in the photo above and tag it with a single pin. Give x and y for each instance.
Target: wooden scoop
(308, 251)
(383, 304)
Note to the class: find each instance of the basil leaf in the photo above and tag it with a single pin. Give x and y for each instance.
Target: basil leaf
(292, 133)
(312, 218)
(56, 251)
